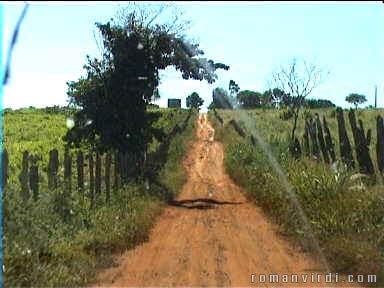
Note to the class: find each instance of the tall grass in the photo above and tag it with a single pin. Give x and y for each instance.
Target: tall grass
(348, 222)
(41, 248)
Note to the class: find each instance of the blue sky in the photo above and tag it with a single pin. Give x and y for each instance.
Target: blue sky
(253, 38)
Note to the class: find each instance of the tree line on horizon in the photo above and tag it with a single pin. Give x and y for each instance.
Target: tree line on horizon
(271, 98)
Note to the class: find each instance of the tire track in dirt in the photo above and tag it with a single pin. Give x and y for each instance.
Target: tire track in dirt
(211, 236)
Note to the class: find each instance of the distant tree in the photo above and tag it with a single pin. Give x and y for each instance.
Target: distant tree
(221, 99)
(233, 88)
(318, 103)
(355, 99)
(194, 101)
(249, 99)
(297, 80)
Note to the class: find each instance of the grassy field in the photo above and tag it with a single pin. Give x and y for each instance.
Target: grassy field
(40, 248)
(273, 129)
(346, 219)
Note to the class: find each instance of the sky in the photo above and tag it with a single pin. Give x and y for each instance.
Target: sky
(253, 38)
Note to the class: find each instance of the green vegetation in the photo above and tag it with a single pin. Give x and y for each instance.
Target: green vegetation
(356, 99)
(221, 99)
(117, 88)
(344, 210)
(194, 101)
(40, 248)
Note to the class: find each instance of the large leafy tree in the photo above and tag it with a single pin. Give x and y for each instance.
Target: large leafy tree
(356, 99)
(114, 95)
(194, 101)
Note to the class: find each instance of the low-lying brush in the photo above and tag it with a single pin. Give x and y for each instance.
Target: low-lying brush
(43, 248)
(345, 215)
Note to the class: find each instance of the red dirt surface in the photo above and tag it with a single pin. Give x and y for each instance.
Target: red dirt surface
(211, 236)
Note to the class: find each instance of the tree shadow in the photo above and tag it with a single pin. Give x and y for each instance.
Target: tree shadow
(157, 159)
(200, 203)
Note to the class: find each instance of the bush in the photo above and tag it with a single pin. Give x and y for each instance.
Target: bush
(348, 223)
(41, 247)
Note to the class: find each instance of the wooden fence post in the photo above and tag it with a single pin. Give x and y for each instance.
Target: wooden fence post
(91, 180)
(328, 141)
(80, 171)
(238, 128)
(23, 177)
(98, 175)
(307, 150)
(320, 137)
(315, 145)
(107, 176)
(67, 171)
(4, 164)
(295, 148)
(218, 117)
(361, 145)
(345, 145)
(380, 143)
(116, 171)
(126, 159)
(53, 168)
(121, 167)
(34, 177)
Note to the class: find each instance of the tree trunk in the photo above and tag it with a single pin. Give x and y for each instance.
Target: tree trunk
(328, 141)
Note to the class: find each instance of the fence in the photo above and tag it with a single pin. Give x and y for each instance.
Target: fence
(317, 141)
(313, 133)
(95, 164)
(116, 167)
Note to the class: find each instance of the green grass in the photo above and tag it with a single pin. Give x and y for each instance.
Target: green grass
(41, 248)
(348, 224)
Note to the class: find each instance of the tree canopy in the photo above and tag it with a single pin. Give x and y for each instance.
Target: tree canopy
(114, 95)
(356, 99)
(318, 103)
(194, 101)
(249, 99)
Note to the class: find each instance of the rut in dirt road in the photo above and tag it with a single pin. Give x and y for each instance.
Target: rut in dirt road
(210, 235)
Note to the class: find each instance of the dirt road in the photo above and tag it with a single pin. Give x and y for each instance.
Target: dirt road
(210, 236)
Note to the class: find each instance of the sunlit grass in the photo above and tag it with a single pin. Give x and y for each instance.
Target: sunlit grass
(41, 248)
(347, 223)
